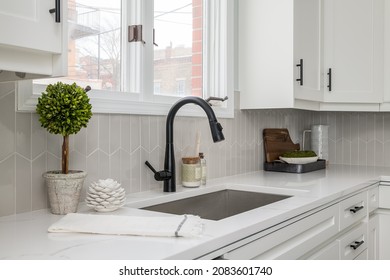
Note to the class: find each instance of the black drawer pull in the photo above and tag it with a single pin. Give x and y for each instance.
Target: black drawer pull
(356, 209)
(356, 244)
(300, 79)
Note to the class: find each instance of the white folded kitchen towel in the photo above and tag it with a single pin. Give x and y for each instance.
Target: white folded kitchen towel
(183, 225)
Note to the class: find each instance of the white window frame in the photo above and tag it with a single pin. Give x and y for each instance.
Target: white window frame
(138, 97)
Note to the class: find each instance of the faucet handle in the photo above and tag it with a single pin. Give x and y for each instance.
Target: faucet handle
(159, 175)
(162, 175)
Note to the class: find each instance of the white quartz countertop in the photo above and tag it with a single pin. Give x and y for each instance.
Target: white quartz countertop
(25, 236)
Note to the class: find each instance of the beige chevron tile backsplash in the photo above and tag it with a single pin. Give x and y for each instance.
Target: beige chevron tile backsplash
(116, 146)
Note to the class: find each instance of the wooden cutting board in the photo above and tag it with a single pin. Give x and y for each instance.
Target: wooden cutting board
(276, 142)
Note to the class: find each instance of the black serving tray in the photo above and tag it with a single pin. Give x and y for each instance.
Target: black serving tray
(294, 168)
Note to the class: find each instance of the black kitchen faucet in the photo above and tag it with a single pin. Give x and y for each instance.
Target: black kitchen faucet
(168, 174)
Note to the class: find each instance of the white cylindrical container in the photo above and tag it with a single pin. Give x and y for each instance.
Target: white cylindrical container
(191, 172)
(319, 141)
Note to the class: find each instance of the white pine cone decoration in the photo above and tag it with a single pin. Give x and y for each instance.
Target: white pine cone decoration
(105, 195)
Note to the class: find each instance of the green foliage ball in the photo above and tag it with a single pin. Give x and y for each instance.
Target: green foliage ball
(64, 109)
(299, 154)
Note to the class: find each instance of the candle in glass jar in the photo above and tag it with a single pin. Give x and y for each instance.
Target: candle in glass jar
(191, 174)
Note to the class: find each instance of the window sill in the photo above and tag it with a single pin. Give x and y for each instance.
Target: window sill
(119, 103)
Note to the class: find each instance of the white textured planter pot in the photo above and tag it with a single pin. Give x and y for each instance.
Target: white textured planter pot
(64, 190)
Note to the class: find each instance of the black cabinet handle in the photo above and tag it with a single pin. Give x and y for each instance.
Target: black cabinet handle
(356, 244)
(300, 79)
(356, 209)
(57, 10)
(330, 79)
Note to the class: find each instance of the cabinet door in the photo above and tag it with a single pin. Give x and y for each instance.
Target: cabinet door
(353, 50)
(30, 25)
(266, 54)
(307, 49)
(373, 237)
(373, 199)
(32, 45)
(384, 234)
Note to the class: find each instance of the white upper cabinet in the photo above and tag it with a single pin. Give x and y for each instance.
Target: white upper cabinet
(265, 54)
(353, 51)
(32, 43)
(312, 54)
(30, 25)
(274, 37)
(307, 49)
(386, 105)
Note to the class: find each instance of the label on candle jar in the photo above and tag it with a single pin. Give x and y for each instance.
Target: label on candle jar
(191, 173)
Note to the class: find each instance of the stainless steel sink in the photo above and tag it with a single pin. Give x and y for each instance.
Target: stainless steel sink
(218, 205)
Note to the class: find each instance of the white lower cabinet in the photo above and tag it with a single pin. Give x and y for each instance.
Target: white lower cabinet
(373, 237)
(292, 241)
(348, 246)
(384, 234)
(373, 224)
(329, 252)
(362, 256)
(353, 242)
(384, 221)
(347, 230)
(353, 209)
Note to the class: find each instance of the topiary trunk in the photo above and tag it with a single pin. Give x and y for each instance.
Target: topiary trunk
(65, 155)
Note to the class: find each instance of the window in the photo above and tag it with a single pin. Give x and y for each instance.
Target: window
(94, 45)
(186, 49)
(178, 26)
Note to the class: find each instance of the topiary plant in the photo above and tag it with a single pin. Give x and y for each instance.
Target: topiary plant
(64, 109)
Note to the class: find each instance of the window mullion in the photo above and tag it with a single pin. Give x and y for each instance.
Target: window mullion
(206, 48)
(134, 52)
(148, 49)
(125, 83)
(218, 38)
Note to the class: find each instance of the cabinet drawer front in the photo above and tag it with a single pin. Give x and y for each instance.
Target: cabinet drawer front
(373, 199)
(353, 209)
(330, 252)
(292, 241)
(362, 256)
(353, 243)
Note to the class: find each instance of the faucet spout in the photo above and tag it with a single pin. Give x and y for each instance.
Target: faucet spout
(215, 126)
(168, 175)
